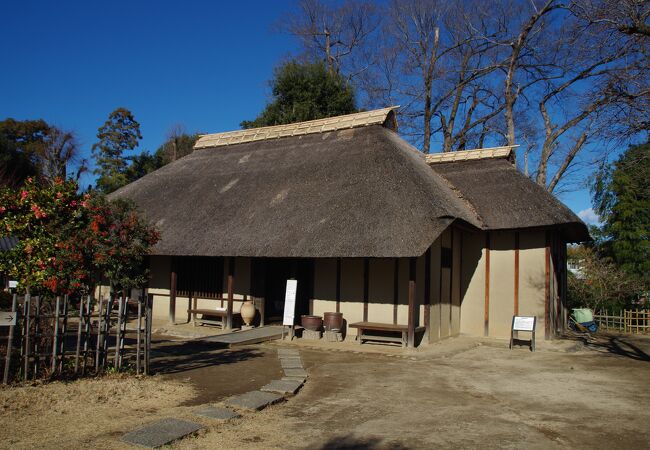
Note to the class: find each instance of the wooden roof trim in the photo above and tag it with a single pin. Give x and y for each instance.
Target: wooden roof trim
(384, 116)
(505, 152)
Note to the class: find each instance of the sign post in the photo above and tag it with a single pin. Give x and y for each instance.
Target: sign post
(289, 307)
(523, 323)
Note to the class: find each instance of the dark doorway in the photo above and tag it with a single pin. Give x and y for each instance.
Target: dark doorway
(278, 271)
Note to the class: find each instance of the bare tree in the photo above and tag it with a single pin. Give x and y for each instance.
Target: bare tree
(602, 73)
(627, 16)
(58, 155)
(334, 34)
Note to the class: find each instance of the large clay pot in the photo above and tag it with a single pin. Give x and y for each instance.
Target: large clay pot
(333, 321)
(247, 312)
(311, 323)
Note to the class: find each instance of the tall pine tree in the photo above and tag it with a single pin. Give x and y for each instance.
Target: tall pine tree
(119, 134)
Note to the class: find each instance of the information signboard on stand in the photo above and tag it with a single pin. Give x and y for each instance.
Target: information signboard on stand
(523, 323)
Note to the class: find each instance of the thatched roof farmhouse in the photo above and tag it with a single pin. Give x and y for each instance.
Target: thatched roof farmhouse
(370, 227)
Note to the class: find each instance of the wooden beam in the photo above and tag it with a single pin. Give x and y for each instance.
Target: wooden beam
(486, 312)
(451, 286)
(547, 288)
(411, 300)
(172, 292)
(395, 290)
(312, 282)
(427, 293)
(338, 285)
(231, 281)
(516, 308)
(366, 287)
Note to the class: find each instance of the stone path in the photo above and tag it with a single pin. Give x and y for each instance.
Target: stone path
(245, 337)
(169, 430)
(160, 433)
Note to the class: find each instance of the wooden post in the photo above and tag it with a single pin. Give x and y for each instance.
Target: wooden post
(78, 350)
(138, 337)
(231, 280)
(516, 308)
(37, 320)
(411, 300)
(100, 324)
(547, 288)
(86, 334)
(64, 329)
(148, 317)
(427, 293)
(172, 294)
(366, 287)
(395, 289)
(486, 305)
(10, 340)
(118, 332)
(55, 338)
(338, 285)
(27, 315)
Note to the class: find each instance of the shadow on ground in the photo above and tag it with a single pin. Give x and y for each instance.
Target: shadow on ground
(171, 357)
(350, 442)
(620, 345)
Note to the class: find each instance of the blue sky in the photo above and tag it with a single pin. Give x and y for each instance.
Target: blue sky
(202, 64)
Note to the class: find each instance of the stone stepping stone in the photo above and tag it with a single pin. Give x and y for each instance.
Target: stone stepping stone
(295, 372)
(214, 412)
(161, 433)
(283, 387)
(300, 379)
(291, 364)
(254, 400)
(288, 352)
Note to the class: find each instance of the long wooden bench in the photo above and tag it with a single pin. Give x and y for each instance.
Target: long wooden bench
(214, 316)
(364, 327)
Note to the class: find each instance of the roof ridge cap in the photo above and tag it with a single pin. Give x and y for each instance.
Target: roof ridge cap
(504, 152)
(383, 116)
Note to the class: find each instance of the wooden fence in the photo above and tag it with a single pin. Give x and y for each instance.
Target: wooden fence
(51, 338)
(636, 321)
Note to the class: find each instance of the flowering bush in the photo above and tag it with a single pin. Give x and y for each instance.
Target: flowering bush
(66, 240)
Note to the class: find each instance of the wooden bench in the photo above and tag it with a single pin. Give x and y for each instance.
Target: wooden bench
(218, 316)
(364, 327)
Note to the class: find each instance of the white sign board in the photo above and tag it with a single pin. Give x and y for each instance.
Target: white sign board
(523, 323)
(13, 284)
(290, 302)
(7, 319)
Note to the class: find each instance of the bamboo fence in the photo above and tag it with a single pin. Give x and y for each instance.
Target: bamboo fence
(50, 340)
(634, 321)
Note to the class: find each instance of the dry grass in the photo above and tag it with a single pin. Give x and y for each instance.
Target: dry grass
(74, 414)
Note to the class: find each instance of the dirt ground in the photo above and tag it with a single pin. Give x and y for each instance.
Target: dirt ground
(461, 393)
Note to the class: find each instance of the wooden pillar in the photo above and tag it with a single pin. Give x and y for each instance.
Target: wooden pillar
(172, 292)
(395, 290)
(231, 280)
(312, 282)
(338, 285)
(411, 300)
(547, 287)
(366, 287)
(486, 312)
(516, 306)
(427, 293)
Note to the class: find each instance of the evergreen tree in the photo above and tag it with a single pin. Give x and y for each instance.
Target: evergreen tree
(622, 199)
(119, 134)
(175, 147)
(21, 143)
(305, 92)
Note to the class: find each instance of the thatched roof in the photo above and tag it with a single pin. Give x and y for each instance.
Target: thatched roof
(355, 191)
(504, 198)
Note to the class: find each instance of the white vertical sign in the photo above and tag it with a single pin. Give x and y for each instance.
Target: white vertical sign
(290, 302)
